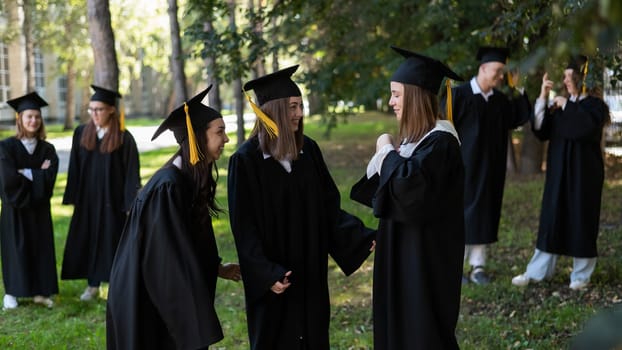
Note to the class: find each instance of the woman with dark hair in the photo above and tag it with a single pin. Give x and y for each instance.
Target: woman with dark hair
(286, 219)
(573, 125)
(102, 181)
(28, 168)
(416, 190)
(163, 280)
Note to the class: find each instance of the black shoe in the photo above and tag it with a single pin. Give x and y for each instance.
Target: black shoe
(478, 276)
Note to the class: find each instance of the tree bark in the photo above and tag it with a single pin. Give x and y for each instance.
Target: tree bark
(531, 152)
(106, 67)
(237, 83)
(212, 71)
(29, 45)
(180, 92)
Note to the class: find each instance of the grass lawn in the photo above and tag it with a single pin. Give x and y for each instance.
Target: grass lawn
(497, 316)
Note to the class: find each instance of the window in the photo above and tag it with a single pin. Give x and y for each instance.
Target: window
(39, 72)
(62, 95)
(5, 83)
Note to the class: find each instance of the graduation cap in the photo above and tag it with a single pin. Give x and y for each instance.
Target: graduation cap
(271, 87)
(425, 72)
(28, 101)
(192, 115)
(492, 54)
(109, 97)
(579, 63)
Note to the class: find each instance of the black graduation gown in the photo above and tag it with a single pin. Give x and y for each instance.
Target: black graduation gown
(420, 245)
(484, 129)
(162, 283)
(290, 221)
(102, 187)
(26, 230)
(574, 178)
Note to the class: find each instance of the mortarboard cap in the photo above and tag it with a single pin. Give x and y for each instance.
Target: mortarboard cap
(492, 54)
(192, 115)
(271, 87)
(28, 101)
(274, 85)
(577, 63)
(422, 71)
(425, 72)
(104, 95)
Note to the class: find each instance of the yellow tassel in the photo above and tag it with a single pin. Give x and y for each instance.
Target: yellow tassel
(448, 107)
(195, 153)
(273, 130)
(121, 116)
(16, 115)
(510, 80)
(583, 88)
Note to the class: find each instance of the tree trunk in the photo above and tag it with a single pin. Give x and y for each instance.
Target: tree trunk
(105, 68)
(237, 83)
(510, 164)
(259, 66)
(180, 91)
(531, 152)
(212, 72)
(70, 104)
(29, 45)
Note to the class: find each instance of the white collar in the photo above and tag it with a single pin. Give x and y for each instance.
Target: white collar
(478, 90)
(573, 98)
(101, 132)
(441, 125)
(29, 143)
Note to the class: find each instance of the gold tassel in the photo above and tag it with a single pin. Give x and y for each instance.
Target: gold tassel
(510, 80)
(448, 108)
(121, 116)
(16, 115)
(583, 88)
(273, 130)
(195, 153)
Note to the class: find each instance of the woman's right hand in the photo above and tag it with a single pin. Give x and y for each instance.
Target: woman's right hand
(280, 286)
(46, 164)
(384, 139)
(547, 85)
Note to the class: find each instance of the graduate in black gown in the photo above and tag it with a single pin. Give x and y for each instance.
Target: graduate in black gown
(416, 189)
(102, 181)
(28, 168)
(484, 117)
(573, 125)
(162, 284)
(286, 219)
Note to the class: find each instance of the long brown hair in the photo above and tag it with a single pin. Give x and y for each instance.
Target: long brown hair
(287, 145)
(112, 140)
(204, 176)
(419, 113)
(20, 133)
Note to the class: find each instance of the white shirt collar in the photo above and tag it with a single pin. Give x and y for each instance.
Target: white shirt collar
(29, 143)
(441, 125)
(477, 90)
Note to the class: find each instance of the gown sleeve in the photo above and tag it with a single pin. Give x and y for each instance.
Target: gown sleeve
(172, 274)
(350, 240)
(258, 271)
(44, 179)
(582, 119)
(16, 189)
(73, 171)
(132, 171)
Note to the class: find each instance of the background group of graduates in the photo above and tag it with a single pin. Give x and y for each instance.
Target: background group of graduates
(437, 190)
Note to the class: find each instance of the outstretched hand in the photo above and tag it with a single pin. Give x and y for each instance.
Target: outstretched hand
(547, 85)
(46, 164)
(230, 271)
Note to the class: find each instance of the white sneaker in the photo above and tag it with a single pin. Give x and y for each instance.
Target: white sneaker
(45, 301)
(520, 280)
(9, 302)
(579, 284)
(89, 293)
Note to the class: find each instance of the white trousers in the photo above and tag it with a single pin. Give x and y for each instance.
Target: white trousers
(476, 254)
(542, 265)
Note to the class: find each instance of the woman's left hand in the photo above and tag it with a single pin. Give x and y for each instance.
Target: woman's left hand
(230, 271)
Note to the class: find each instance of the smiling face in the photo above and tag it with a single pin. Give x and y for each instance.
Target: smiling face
(397, 99)
(295, 112)
(31, 121)
(490, 75)
(101, 113)
(569, 82)
(216, 139)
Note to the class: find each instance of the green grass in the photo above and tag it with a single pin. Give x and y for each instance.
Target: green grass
(498, 316)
